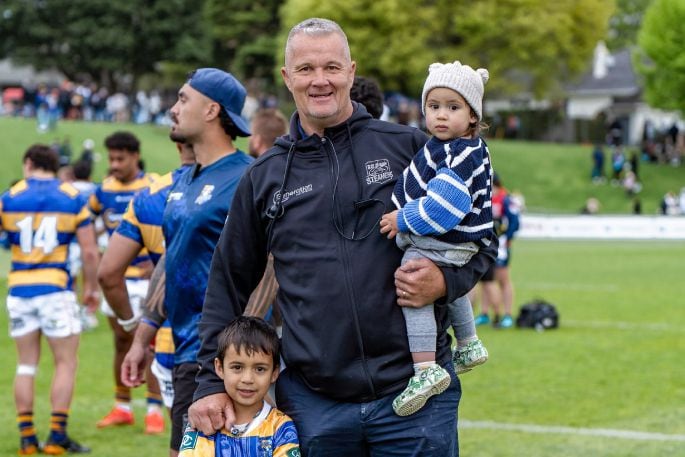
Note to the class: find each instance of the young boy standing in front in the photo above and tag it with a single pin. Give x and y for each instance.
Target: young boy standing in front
(248, 358)
(444, 214)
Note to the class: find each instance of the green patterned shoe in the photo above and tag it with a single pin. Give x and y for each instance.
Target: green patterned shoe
(433, 380)
(471, 355)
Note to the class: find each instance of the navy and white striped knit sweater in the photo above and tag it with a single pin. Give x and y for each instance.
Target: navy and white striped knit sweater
(446, 191)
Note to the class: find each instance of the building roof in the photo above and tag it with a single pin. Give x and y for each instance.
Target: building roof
(610, 75)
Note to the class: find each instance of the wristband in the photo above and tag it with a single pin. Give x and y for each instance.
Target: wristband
(129, 324)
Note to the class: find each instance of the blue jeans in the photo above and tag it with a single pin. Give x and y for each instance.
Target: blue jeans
(332, 428)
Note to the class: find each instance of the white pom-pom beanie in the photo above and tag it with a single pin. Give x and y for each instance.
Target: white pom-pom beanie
(469, 83)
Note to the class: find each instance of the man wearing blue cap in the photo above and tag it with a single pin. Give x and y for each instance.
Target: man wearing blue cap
(206, 116)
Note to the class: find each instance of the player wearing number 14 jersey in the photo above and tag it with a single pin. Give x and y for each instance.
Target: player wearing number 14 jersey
(41, 216)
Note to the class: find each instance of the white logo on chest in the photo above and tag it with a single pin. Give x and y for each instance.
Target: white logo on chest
(378, 171)
(205, 195)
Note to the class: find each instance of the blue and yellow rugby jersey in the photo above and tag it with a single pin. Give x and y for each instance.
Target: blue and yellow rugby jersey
(142, 221)
(41, 217)
(110, 200)
(195, 213)
(272, 435)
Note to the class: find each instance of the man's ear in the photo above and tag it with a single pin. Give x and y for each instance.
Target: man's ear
(286, 78)
(213, 111)
(219, 367)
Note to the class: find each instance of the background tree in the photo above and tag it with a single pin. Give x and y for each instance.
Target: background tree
(244, 34)
(112, 43)
(528, 45)
(661, 58)
(625, 24)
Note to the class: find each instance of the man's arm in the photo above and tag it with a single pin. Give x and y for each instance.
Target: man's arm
(85, 236)
(121, 251)
(265, 293)
(154, 311)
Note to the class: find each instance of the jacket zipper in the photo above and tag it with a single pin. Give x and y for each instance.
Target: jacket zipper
(350, 289)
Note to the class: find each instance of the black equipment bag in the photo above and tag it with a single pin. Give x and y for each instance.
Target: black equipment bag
(539, 315)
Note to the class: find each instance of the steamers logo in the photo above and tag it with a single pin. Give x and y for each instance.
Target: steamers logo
(378, 171)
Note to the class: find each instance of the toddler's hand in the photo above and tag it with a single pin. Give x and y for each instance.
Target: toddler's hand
(389, 224)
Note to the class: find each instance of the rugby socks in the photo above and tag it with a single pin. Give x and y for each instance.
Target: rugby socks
(154, 402)
(122, 397)
(58, 426)
(26, 428)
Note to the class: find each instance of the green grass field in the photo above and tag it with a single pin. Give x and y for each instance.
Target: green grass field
(554, 178)
(615, 367)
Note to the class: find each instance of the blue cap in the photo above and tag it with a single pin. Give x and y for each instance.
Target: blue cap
(224, 89)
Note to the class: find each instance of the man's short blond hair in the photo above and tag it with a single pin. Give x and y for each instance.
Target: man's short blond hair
(315, 26)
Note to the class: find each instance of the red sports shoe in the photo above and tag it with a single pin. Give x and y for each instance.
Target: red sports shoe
(118, 416)
(154, 423)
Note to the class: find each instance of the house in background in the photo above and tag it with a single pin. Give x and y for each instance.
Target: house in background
(611, 92)
(608, 95)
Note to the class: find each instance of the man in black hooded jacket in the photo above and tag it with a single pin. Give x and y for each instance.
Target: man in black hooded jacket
(314, 201)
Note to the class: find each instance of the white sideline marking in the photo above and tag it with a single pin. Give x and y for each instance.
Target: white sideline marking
(658, 327)
(577, 287)
(547, 429)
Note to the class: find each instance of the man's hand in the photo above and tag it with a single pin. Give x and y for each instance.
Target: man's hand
(211, 413)
(91, 299)
(418, 283)
(389, 224)
(133, 366)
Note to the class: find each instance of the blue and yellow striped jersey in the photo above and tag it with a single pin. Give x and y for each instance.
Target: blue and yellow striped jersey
(142, 221)
(41, 217)
(110, 200)
(273, 434)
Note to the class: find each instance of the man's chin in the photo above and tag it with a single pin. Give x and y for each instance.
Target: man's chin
(177, 137)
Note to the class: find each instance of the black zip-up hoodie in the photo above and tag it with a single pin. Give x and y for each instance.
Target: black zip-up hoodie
(343, 332)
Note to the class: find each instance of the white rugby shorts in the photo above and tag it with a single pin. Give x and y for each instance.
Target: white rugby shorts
(55, 314)
(166, 382)
(137, 290)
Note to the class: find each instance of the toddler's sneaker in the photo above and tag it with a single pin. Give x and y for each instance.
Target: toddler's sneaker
(62, 447)
(434, 380)
(469, 356)
(28, 445)
(482, 319)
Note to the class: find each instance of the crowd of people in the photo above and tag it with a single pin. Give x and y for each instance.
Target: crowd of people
(191, 253)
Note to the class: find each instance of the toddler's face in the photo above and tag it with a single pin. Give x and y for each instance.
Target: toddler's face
(448, 116)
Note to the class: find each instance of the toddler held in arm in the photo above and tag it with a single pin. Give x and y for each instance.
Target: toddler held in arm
(444, 214)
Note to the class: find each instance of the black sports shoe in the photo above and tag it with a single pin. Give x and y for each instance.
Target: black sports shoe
(28, 445)
(67, 445)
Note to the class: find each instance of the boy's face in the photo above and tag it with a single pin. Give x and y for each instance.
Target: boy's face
(448, 116)
(246, 378)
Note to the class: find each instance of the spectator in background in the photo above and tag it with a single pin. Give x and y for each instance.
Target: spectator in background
(618, 160)
(367, 92)
(267, 125)
(598, 164)
(498, 290)
(669, 204)
(591, 206)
